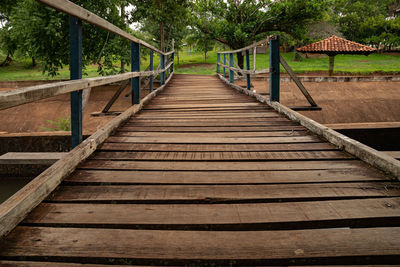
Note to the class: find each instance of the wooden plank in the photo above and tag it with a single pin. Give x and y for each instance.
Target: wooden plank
(216, 177)
(178, 247)
(394, 154)
(217, 105)
(265, 41)
(364, 125)
(51, 264)
(222, 193)
(222, 156)
(251, 121)
(216, 140)
(217, 147)
(222, 166)
(195, 115)
(208, 129)
(44, 158)
(122, 132)
(256, 216)
(205, 124)
(13, 210)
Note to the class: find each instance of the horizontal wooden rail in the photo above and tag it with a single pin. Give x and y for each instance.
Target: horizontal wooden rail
(263, 71)
(72, 9)
(246, 48)
(16, 97)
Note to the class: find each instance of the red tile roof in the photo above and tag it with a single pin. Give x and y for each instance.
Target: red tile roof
(336, 45)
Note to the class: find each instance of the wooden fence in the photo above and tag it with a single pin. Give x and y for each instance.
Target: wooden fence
(15, 97)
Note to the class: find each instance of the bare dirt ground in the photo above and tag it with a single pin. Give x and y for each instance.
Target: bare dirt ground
(341, 102)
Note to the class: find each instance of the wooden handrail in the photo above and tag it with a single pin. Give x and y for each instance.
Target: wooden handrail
(72, 9)
(16, 97)
(263, 71)
(245, 48)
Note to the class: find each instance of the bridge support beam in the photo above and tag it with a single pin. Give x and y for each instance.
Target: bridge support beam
(135, 66)
(162, 74)
(75, 40)
(274, 65)
(248, 68)
(173, 62)
(167, 59)
(231, 73)
(151, 69)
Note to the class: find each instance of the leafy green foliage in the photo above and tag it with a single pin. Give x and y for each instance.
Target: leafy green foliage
(241, 22)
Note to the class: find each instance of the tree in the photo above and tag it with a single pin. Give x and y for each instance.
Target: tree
(43, 33)
(165, 20)
(202, 41)
(238, 23)
(366, 22)
(7, 42)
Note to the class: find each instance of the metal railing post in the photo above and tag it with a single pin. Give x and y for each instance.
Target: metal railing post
(224, 64)
(75, 39)
(162, 74)
(274, 65)
(218, 61)
(248, 68)
(167, 65)
(135, 66)
(231, 73)
(151, 69)
(173, 61)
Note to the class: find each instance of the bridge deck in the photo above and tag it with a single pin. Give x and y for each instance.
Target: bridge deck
(205, 175)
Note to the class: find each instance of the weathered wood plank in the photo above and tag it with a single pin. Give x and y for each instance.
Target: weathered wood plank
(222, 166)
(223, 193)
(217, 147)
(216, 177)
(45, 158)
(207, 129)
(180, 246)
(266, 216)
(125, 132)
(216, 140)
(222, 156)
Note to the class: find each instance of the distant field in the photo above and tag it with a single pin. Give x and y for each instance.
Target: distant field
(193, 63)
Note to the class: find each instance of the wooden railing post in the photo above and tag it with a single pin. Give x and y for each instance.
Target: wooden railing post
(151, 69)
(135, 66)
(248, 68)
(231, 73)
(274, 65)
(162, 74)
(224, 64)
(218, 61)
(75, 39)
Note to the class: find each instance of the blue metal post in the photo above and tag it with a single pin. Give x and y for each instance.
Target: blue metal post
(75, 40)
(173, 62)
(248, 68)
(162, 75)
(274, 66)
(218, 61)
(167, 65)
(135, 66)
(151, 69)
(224, 64)
(231, 74)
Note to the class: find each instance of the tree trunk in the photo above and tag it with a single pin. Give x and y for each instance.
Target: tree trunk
(240, 60)
(6, 61)
(162, 44)
(33, 62)
(205, 56)
(331, 65)
(123, 18)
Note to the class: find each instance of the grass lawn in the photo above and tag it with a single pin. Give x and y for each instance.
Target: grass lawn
(193, 63)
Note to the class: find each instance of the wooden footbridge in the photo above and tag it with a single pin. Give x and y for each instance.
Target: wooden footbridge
(203, 172)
